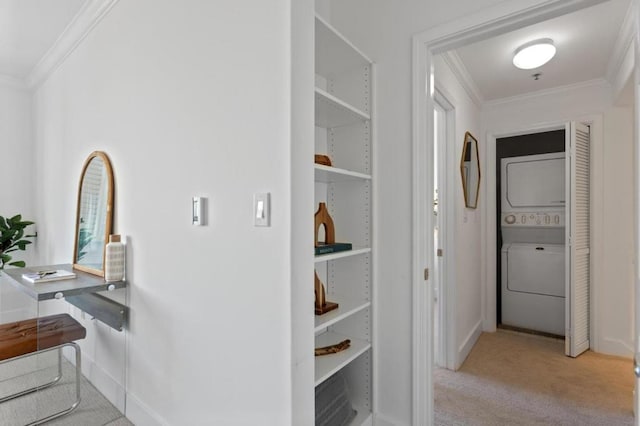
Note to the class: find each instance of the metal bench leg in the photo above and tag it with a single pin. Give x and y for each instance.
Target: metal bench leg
(78, 376)
(38, 387)
(57, 379)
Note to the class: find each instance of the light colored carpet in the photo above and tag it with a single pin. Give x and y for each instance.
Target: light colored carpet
(517, 379)
(94, 409)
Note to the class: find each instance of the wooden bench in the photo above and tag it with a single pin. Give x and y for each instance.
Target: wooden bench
(37, 335)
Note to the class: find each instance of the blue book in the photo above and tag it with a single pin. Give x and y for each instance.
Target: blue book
(323, 248)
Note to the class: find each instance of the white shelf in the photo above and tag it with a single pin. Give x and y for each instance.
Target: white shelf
(333, 112)
(334, 53)
(329, 174)
(346, 309)
(328, 365)
(341, 254)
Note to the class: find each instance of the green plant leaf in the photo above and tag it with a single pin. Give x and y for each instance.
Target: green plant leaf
(25, 223)
(18, 263)
(3, 223)
(5, 258)
(17, 218)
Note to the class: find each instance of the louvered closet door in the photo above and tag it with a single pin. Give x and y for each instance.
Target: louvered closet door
(578, 239)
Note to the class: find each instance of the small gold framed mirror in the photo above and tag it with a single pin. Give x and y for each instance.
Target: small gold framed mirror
(470, 171)
(94, 214)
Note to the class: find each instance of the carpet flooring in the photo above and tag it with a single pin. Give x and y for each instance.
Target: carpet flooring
(94, 408)
(517, 379)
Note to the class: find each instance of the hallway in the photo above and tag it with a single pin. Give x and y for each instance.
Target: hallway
(517, 379)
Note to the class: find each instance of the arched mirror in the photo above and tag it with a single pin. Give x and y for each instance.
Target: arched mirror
(470, 171)
(94, 214)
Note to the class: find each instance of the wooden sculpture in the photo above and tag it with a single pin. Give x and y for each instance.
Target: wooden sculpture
(329, 245)
(322, 306)
(322, 218)
(333, 349)
(323, 159)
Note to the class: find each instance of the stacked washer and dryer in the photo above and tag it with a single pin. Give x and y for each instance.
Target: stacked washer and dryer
(533, 237)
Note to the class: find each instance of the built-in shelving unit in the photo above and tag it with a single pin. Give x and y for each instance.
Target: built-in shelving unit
(343, 119)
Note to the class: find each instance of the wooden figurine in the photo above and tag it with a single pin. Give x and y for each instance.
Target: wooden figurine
(322, 218)
(323, 159)
(322, 306)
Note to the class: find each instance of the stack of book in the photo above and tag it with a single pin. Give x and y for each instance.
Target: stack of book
(48, 275)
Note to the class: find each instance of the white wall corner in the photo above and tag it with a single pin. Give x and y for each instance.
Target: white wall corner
(459, 70)
(618, 70)
(12, 82)
(89, 15)
(468, 344)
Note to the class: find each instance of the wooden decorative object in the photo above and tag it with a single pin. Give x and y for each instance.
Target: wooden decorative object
(322, 305)
(323, 159)
(333, 349)
(322, 218)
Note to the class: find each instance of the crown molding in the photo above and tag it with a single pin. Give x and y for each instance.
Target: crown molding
(89, 15)
(595, 83)
(459, 70)
(624, 42)
(12, 82)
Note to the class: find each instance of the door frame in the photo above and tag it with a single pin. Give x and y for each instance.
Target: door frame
(596, 122)
(446, 280)
(488, 22)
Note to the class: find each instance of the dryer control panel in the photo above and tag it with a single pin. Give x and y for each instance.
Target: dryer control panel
(533, 219)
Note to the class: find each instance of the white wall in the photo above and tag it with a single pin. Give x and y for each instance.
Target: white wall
(16, 153)
(187, 99)
(612, 191)
(16, 175)
(467, 223)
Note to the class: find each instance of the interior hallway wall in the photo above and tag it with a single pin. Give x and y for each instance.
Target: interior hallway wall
(187, 99)
(17, 177)
(467, 225)
(16, 154)
(612, 197)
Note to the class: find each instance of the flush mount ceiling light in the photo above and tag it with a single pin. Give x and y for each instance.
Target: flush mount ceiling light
(534, 54)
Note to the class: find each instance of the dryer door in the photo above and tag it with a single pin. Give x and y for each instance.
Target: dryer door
(536, 269)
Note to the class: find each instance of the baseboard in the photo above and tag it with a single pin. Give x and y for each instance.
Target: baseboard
(381, 420)
(467, 345)
(615, 347)
(103, 381)
(141, 415)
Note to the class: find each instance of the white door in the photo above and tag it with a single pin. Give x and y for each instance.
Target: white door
(577, 268)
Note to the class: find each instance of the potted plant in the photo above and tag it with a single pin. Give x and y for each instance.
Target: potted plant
(12, 238)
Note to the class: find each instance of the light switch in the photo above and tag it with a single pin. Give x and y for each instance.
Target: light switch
(261, 210)
(198, 211)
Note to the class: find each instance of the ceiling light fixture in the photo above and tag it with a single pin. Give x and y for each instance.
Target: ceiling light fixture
(534, 54)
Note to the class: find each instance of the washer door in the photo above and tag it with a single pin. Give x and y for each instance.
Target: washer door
(536, 269)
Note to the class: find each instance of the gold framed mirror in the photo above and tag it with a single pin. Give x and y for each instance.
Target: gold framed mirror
(94, 214)
(470, 171)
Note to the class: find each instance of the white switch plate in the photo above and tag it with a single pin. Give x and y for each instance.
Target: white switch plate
(197, 211)
(261, 209)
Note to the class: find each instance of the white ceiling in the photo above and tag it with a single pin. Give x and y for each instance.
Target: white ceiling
(584, 39)
(28, 28)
